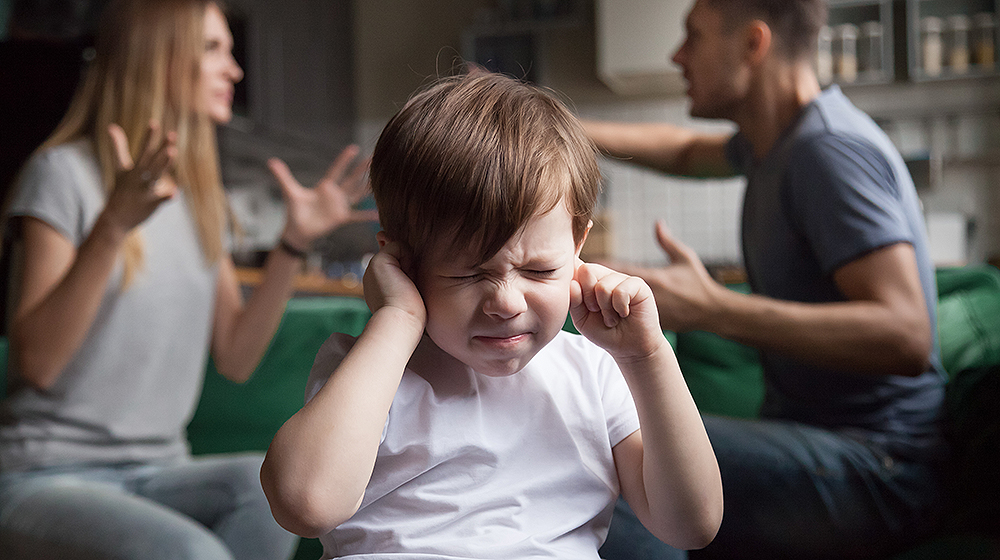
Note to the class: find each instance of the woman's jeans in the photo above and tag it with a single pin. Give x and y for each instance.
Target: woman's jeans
(795, 491)
(209, 508)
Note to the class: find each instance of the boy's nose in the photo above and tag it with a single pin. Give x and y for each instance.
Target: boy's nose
(504, 301)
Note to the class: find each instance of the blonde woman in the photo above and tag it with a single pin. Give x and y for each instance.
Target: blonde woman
(122, 285)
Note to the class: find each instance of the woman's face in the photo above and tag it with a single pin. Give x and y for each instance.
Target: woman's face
(219, 70)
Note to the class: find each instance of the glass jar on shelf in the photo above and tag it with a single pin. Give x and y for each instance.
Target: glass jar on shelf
(870, 50)
(984, 41)
(958, 43)
(845, 57)
(824, 55)
(931, 46)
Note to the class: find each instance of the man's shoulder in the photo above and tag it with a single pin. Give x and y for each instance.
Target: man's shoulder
(833, 123)
(834, 151)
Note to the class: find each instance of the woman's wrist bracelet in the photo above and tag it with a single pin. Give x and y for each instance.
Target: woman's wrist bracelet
(291, 249)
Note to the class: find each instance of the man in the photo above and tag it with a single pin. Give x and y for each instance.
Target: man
(843, 463)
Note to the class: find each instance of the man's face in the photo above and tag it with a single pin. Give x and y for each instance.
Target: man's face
(495, 316)
(711, 61)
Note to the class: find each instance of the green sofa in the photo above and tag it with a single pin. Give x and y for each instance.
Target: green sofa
(724, 378)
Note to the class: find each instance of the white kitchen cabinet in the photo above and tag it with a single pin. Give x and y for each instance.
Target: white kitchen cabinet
(635, 41)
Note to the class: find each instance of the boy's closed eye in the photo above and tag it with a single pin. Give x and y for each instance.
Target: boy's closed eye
(542, 273)
(470, 276)
(465, 277)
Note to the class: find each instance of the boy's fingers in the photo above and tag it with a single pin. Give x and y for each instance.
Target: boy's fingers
(587, 279)
(615, 296)
(575, 297)
(625, 295)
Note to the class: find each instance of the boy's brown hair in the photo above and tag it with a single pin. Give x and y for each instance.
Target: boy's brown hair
(471, 159)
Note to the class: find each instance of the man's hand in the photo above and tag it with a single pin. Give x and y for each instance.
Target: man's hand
(686, 295)
(312, 213)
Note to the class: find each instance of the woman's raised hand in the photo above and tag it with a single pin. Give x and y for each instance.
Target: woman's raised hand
(139, 186)
(312, 213)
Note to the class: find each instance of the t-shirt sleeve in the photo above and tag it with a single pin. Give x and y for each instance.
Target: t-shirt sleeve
(739, 153)
(845, 199)
(619, 408)
(328, 358)
(51, 188)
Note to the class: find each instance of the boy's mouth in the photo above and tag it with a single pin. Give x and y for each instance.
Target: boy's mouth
(502, 341)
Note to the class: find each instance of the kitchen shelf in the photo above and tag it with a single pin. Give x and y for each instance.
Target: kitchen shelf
(868, 24)
(919, 46)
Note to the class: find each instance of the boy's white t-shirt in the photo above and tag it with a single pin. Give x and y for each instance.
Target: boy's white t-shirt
(472, 466)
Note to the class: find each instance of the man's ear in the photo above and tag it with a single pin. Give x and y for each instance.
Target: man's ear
(759, 40)
(579, 245)
(382, 239)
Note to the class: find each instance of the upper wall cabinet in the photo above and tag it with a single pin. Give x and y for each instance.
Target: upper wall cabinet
(857, 44)
(952, 38)
(635, 40)
(878, 41)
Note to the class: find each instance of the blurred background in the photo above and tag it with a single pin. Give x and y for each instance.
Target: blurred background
(324, 73)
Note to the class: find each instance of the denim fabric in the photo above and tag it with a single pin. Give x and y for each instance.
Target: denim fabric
(796, 491)
(629, 540)
(204, 509)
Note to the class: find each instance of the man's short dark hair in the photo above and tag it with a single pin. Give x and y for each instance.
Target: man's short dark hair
(795, 23)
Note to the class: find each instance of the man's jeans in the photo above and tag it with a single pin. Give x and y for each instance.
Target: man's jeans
(795, 491)
(205, 509)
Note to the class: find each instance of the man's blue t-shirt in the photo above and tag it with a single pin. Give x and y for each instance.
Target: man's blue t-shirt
(833, 189)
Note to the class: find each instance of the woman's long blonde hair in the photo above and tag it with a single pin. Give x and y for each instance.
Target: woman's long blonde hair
(146, 68)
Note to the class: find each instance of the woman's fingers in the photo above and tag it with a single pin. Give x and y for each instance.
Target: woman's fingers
(336, 171)
(157, 154)
(123, 158)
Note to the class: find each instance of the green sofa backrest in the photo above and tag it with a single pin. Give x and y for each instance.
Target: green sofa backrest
(244, 417)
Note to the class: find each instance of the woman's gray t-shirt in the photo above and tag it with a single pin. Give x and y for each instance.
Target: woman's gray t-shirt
(130, 390)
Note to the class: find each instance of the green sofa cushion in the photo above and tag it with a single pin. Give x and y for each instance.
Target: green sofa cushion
(724, 377)
(969, 331)
(969, 317)
(242, 417)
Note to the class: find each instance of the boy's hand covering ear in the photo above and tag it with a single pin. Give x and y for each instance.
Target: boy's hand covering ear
(388, 284)
(615, 311)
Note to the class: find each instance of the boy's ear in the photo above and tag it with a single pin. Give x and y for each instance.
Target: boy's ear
(579, 246)
(382, 239)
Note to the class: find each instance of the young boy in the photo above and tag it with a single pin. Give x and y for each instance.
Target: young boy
(463, 423)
